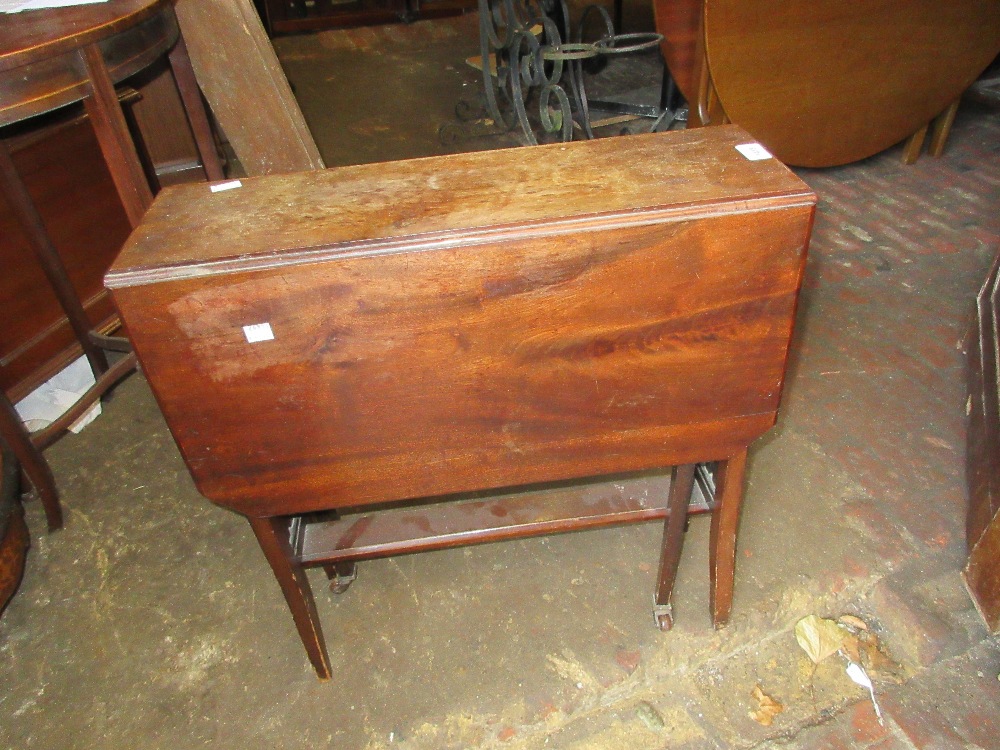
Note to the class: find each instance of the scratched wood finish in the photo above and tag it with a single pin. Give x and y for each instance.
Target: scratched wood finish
(246, 87)
(468, 322)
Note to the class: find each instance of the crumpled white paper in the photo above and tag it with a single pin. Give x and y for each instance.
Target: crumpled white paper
(49, 401)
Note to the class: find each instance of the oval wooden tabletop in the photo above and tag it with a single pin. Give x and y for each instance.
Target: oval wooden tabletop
(38, 34)
(683, 45)
(826, 82)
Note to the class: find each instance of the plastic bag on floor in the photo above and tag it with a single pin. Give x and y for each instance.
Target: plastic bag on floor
(50, 400)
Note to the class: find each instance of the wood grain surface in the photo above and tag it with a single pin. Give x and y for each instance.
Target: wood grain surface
(246, 88)
(826, 82)
(469, 322)
(41, 64)
(982, 571)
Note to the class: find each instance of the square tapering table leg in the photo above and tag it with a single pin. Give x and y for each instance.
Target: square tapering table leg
(673, 541)
(729, 480)
(273, 536)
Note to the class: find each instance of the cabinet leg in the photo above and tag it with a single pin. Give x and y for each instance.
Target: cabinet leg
(33, 463)
(114, 138)
(673, 540)
(941, 128)
(722, 543)
(911, 152)
(187, 87)
(272, 534)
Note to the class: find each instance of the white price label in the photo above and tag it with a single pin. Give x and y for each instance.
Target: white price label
(258, 332)
(231, 185)
(754, 151)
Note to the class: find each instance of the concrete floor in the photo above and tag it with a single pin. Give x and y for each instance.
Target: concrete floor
(152, 619)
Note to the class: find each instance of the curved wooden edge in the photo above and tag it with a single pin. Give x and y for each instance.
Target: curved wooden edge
(85, 24)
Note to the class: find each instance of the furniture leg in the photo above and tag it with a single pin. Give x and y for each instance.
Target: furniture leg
(722, 543)
(187, 86)
(114, 138)
(273, 536)
(24, 209)
(32, 462)
(941, 128)
(341, 575)
(681, 485)
(911, 152)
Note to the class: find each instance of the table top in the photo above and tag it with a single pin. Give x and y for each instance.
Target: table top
(40, 69)
(306, 216)
(33, 35)
(825, 83)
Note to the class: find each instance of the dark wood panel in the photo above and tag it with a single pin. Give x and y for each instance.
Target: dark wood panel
(65, 174)
(502, 366)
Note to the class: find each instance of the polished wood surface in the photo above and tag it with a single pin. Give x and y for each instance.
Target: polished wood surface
(681, 22)
(826, 83)
(40, 66)
(470, 323)
(347, 239)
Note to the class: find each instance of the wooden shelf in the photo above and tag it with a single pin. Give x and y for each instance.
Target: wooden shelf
(320, 539)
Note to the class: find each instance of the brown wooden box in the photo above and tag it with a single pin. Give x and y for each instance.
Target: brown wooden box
(468, 322)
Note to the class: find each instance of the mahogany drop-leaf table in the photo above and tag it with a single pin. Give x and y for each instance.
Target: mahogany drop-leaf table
(325, 345)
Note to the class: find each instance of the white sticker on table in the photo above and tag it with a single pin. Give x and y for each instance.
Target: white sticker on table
(231, 185)
(258, 332)
(754, 151)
